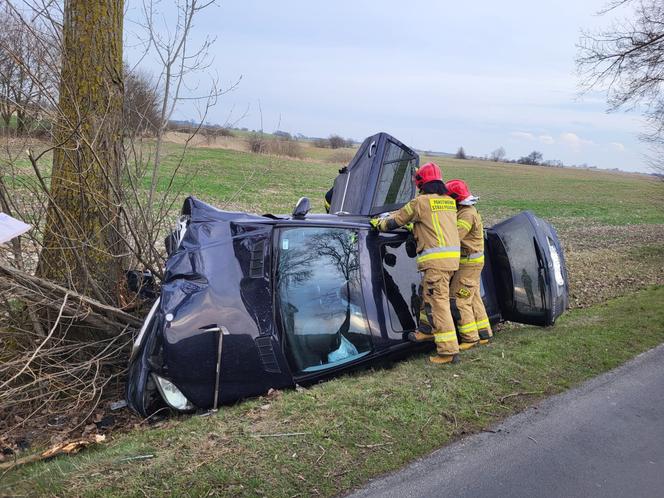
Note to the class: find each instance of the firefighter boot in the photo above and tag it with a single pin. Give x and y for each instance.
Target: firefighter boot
(468, 345)
(485, 338)
(441, 359)
(419, 336)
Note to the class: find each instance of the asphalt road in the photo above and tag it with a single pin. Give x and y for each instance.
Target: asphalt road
(603, 439)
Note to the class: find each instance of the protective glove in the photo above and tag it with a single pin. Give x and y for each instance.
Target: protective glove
(375, 223)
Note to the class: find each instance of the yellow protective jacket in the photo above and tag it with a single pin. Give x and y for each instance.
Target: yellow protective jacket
(434, 220)
(471, 235)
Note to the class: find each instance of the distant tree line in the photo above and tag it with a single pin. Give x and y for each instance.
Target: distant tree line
(333, 142)
(535, 158)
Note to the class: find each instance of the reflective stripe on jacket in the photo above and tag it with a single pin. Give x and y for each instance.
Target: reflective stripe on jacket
(434, 227)
(471, 235)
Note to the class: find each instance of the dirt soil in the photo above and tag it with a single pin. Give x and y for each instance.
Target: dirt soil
(606, 261)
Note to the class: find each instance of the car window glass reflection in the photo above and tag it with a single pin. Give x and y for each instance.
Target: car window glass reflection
(320, 297)
(401, 281)
(527, 271)
(394, 184)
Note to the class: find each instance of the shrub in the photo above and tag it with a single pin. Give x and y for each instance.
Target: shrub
(256, 143)
(341, 156)
(260, 144)
(534, 158)
(288, 148)
(336, 142)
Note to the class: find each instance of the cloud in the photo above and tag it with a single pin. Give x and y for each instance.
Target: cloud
(573, 140)
(522, 135)
(547, 139)
(618, 146)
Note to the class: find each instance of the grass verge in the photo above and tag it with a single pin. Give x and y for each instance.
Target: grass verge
(356, 427)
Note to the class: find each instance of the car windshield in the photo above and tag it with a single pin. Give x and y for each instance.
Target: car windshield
(320, 297)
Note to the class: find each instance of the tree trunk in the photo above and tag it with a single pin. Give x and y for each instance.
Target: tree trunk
(82, 237)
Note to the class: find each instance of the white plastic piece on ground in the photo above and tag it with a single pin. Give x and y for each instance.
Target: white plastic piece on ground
(11, 227)
(172, 395)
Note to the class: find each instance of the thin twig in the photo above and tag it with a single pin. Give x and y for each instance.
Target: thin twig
(524, 393)
(137, 457)
(372, 445)
(39, 348)
(281, 434)
(321, 455)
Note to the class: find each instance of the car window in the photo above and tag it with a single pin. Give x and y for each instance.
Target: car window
(527, 275)
(320, 297)
(401, 282)
(395, 181)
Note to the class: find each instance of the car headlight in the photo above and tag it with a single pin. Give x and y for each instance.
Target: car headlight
(172, 395)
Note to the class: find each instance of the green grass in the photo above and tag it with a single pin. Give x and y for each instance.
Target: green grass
(31, 125)
(254, 182)
(605, 197)
(648, 251)
(357, 426)
(260, 183)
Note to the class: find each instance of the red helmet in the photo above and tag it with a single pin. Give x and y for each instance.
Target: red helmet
(427, 173)
(458, 190)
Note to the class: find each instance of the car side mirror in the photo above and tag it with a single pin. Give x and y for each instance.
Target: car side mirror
(301, 208)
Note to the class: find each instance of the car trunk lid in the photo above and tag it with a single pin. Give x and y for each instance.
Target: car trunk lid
(529, 270)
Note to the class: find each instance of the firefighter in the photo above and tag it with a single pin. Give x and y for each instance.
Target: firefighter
(433, 215)
(327, 200)
(473, 325)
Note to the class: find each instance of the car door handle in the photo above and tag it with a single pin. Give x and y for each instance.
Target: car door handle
(215, 328)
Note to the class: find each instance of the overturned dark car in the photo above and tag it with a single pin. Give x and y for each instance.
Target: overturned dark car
(250, 302)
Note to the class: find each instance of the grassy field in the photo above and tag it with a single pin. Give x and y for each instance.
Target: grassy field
(233, 177)
(355, 427)
(612, 228)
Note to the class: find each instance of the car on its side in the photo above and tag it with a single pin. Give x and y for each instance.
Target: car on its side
(251, 302)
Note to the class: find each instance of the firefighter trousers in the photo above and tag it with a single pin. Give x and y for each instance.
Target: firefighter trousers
(465, 290)
(436, 303)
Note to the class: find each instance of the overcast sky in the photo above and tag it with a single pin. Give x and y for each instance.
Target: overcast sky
(435, 74)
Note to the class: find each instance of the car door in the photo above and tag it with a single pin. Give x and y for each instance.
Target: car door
(377, 180)
(528, 270)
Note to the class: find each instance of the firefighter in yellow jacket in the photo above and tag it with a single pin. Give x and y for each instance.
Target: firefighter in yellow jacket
(474, 327)
(433, 215)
